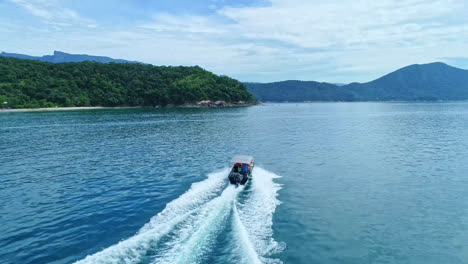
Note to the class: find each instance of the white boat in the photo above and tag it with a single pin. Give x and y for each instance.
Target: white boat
(242, 168)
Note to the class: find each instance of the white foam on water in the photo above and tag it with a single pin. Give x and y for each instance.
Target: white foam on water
(196, 239)
(246, 248)
(191, 224)
(133, 249)
(199, 193)
(256, 213)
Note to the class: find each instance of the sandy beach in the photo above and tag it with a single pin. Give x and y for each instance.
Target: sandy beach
(62, 109)
(202, 104)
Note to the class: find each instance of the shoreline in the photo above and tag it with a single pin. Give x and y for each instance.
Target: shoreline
(74, 108)
(62, 108)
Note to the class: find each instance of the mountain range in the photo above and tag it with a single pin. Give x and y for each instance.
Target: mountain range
(60, 57)
(433, 81)
(418, 82)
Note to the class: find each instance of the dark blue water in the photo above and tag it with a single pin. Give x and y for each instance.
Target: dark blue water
(333, 183)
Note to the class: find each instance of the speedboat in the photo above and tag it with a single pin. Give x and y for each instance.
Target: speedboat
(241, 171)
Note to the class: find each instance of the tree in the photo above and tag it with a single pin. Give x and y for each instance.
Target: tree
(28, 83)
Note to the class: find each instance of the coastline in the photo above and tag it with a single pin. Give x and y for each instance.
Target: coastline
(62, 109)
(74, 108)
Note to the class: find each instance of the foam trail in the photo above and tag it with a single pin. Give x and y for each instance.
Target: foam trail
(186, 231)
(243, 237)
(199, 193)
(197, 237)
(256, 214)
(133, 249)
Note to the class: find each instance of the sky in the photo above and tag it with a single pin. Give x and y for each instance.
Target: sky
(337, 41)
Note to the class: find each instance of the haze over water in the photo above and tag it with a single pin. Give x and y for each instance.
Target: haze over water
(333, 183)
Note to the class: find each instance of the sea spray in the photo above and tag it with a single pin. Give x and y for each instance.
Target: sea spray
(256, 213)
(195, 240)
(135, 248)
(198, 194)
(187, 229)
(248, 251)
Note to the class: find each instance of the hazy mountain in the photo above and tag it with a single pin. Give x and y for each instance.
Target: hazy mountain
(59, 57)
(298, 91)
(434, 81)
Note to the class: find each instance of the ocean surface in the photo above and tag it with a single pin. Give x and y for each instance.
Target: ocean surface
(333, 183)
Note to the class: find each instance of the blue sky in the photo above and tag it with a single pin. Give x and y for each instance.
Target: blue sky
(258, 40)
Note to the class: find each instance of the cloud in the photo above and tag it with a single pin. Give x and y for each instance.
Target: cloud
(51, 12)
(335, 40)
(350, 38)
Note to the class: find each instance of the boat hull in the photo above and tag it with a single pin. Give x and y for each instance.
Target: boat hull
(238, 179)
(241, 172)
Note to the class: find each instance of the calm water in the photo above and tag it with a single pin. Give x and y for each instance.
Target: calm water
(334, 183)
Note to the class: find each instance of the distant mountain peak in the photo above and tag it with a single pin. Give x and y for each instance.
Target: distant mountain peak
(61, 57)
(436, 63)
(430, 81)
(428, 66)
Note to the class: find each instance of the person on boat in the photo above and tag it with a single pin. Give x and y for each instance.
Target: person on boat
(244, 169)
(237, 168)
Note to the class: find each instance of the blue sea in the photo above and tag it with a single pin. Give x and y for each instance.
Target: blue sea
(333, 183)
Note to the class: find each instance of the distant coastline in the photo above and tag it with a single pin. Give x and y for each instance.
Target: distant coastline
(202, 104)
(62, 109)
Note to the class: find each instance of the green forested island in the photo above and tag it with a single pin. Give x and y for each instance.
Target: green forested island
(33, 84)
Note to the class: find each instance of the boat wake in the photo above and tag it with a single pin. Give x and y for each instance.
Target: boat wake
(211, 220)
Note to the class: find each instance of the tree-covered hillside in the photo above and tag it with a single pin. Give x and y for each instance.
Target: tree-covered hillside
(31, 84)
(434, 81)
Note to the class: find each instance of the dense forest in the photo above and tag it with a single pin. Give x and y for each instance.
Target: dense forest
(32, 84)
(433, 81)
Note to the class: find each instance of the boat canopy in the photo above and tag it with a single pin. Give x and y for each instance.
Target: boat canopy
(242, 159)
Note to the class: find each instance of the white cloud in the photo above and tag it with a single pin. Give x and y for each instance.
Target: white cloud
(350, 38)
(334, 40)
(334, 24)
(51, 12)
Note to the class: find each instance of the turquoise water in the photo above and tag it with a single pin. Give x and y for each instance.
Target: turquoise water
(333, 183)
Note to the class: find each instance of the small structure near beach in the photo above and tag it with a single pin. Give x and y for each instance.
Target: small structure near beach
(208, 103)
